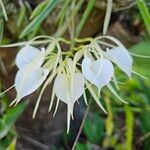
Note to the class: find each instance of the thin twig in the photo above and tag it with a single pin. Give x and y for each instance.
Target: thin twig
(81, 127)
(35, 142)
(143, 138)
(126, 7)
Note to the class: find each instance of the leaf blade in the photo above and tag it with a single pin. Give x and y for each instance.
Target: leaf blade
(38, 20)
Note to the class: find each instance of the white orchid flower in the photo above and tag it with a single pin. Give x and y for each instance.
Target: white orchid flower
(68, 95)
(121, 57)
(28, 79)
(98, 72)
(29, 54)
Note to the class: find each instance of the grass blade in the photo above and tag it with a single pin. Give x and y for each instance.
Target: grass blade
(145, 13)
(1, 29)
(107, 16)
(38, 20)
(39, 9)
(3, 9)
(21, 15)
(85, 16)
(10, 118)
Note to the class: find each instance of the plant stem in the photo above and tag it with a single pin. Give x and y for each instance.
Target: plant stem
(81, 127)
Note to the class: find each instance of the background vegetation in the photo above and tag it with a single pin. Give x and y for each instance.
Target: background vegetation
(126, 127)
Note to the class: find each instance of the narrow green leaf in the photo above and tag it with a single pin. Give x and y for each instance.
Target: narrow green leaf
(115, 93)
(85, 16)
(3, 9)
(1, 30)
(21, 15)
(14, 113)
(107, 15)
(6, 141)
(38, 20)
(39, 9)
(93, 94)
(3, 129)
(12, 145)
(145, 13)
(10, 118)
(62, 12)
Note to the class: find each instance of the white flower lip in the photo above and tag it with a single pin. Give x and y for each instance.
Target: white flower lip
(29, 79)
(121, 57)
(62, 87)
(98, 72)
(69, 91)
(28, 54)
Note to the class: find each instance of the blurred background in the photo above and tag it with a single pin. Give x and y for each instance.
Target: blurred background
(126, 127)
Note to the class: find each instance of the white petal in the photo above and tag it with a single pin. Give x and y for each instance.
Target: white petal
(27, 55)
(29, 79)
(121, 57)
(98, 72)
(62, 87)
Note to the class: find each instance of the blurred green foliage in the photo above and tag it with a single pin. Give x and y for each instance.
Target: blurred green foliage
(126, 127)
(8, 117)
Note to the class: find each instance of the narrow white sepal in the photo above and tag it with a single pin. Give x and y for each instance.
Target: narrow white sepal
(68, 118)
(56, 108)
(115, 93)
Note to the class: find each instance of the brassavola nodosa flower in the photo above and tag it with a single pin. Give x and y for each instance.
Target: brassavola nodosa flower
(69, 91)
(72, 72)
(30, 75)
(69, 86)
(28, 79)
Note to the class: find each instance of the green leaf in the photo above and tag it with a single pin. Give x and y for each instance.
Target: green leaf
(112, 90)
(62, 13)
(86, 13)
(94, 128)
(39, 19)
(1, 30)
(141, 65)
(3, 129)
(93, 94)
(81, 146)
(145, 128)
(21, 15)
(12, 145)
(10, 118)
(39, 9)
(107, 16)
(145, 13)
(144, 121)
(3, 9)
(6, 141)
